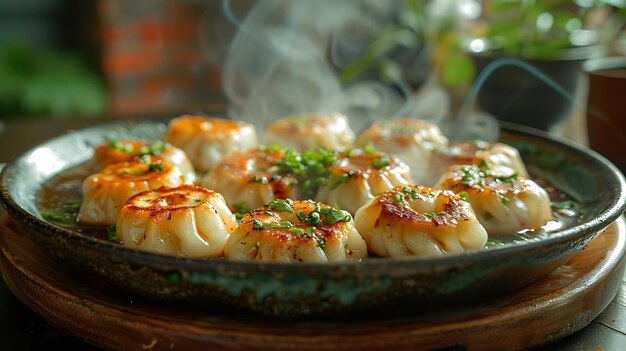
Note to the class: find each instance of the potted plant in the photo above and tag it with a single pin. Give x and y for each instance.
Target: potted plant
(528, 55)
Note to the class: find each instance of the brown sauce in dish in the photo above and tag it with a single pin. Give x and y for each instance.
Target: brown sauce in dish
(61, 198)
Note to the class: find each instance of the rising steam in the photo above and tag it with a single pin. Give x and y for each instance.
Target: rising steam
(279, 62)
(284, 56)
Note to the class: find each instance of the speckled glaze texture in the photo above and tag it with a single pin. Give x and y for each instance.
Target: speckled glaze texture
(311, 289)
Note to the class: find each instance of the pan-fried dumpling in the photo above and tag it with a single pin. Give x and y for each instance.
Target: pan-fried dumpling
(296, 231)
(207, 140)
(475, 152)
(503, 201)
(360, 174)
(310, 131)
(105, 193)
(124, 150)
(187, 221)
(413, 141)
(248, 178)
(419, 221)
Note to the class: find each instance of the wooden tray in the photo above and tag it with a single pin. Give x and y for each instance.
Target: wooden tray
(558, 305)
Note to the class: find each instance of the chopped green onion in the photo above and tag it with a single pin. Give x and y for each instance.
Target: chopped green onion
(240, 210)
(257, 179)
(155, 148)
(120, 146)
(369, 148)
(464, 196)
(281, 205)
(258, 225)
(315, 218)
(411, 192)
(381, 162)
(399, 198)
(156, 166)
(57, 217)
(296, 230)
(471, 175)
(112, 233)
(335, 214)
(564, 205)
(301, 216)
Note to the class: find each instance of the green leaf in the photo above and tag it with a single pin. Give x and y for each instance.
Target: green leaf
(392, 38)
(458, 69)
(357, 68)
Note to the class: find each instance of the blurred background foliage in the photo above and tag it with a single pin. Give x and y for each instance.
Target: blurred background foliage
(46, 65)
(57, 83)
(50, 66)
(540, 29)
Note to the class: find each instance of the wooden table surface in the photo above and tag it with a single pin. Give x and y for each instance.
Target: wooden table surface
(21, 329)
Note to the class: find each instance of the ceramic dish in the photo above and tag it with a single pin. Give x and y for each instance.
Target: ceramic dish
(306, 289)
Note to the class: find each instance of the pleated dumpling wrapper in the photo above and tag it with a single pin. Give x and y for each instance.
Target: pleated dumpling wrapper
(187, 221)
(419, 221)
(296, 231)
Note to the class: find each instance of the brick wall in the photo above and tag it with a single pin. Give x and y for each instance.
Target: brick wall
(153, 58)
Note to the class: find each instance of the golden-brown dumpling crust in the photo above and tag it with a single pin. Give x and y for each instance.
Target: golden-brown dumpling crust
(105, 193)
(476, 152)
(359, 175)
(206, 140)
(124, 150)
(187, 221)
(413, 141)
(419, 221)
(243, 179)
(503, 202)
(263, 235)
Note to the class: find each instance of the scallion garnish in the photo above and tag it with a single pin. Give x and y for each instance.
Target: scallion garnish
(112, 233)
(155, 148)
(381, 162)
(120, 146)
(335, 214)
(258, 225)
(240, 210)
(156, 166)
(464, 196)
(564, 205)
(369, 148)
(258, 179)
(281, 205)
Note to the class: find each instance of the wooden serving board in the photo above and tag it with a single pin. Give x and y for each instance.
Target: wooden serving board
(558, 305)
